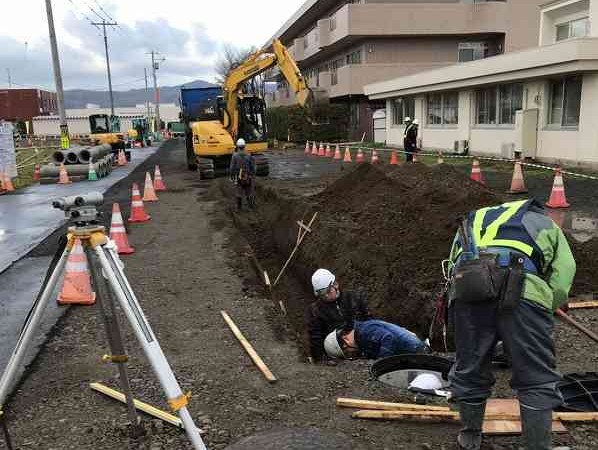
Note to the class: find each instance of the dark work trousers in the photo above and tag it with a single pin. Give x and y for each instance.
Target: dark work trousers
(527, 336)
(408, 146)
(248, 192)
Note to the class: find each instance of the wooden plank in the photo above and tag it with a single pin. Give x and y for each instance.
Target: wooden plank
(141, 406)
(513, 427)
(502, 406)
(583, 305)
(248, 348)
(376, 405)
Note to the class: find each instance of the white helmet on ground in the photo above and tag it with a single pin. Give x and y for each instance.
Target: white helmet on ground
(322, 279)
(241, 143)
(332, 347)
(426, 382)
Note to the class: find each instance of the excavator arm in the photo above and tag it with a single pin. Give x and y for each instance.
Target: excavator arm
(256, 64)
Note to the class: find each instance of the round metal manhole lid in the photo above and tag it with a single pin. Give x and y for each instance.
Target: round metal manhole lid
(294, 439)
(399, 371)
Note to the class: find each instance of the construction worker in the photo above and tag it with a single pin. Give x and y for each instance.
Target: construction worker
(410, 138)
(372, 339)
(242, 172)
(511, 268)
(332, 309)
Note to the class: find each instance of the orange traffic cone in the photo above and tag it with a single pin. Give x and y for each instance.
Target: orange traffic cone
(307, 149)
(476, 172)
(415, 157)
(118, 232)
(517, 184)
(314, 149)
(375, 159)
(347, 158)
(149, 195)
(321, 151)
(122, 158)
(337, 153)
(394, 158)
(440, 159)
(37, 174)
(158, 181)
(63, 178)
(76, 288)
(557, 196)
(360, 158)
(138, 213)
(7, 183)
(329, 153)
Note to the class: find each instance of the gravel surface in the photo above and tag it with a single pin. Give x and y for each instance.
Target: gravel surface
(190, 264)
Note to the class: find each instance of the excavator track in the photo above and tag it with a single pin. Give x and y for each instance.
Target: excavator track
(262, 166)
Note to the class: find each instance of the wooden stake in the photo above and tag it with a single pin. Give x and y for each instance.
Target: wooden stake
(370, 404)
(583, 305)
(576, 324)
(248, 348)
(141, 406)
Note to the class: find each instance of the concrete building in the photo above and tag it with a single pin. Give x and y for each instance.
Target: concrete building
(341, 46)
(541, 102)
(78, 119)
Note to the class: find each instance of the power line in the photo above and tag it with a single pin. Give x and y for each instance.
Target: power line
(104, 11)
(94, 11)
(85, 16)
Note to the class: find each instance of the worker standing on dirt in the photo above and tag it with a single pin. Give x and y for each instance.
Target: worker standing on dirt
(372, 339)
(511, 268)
(242, 172)
(332, 309)
(410, 138)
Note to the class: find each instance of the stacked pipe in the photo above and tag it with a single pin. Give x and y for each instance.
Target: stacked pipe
(76, 162)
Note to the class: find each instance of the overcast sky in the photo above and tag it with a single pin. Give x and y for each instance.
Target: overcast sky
(189, 34)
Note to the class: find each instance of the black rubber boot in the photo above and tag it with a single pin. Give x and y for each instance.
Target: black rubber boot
(239, 203)
(472, 418)
(537, 428)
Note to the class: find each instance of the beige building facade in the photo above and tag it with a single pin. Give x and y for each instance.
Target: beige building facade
(540, 102)
(341, 46)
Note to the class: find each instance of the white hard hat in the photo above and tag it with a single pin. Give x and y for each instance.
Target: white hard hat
(322, 279)
(241, 143)
(332, 347)
(415, 122)
(426, 382)
(407, 119)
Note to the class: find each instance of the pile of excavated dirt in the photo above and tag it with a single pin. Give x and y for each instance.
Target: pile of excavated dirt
(586, 258)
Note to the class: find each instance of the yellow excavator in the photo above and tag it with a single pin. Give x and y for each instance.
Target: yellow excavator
(216, 117)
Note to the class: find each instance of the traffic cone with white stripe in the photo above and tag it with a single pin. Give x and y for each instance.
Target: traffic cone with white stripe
(149, 195)
(375, 159)
(517, 184)
(37, 173)
(337, 153)
(415, 157)
(329, 153)
(394, 158)
(138, 213)
(76, 288)
(360, 158)
(440, 159)
(321, 151)
(476, 172)
(7, 183)
(91, 173)
(63, 177)
(307, 149)
(118, 232)
(347, 158)
(158, 181)
(314, 150)
(122, 158)
(557, 196)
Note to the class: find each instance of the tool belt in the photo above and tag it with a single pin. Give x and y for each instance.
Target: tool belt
(484, 280)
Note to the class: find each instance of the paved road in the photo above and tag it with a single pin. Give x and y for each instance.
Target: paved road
(27, 217)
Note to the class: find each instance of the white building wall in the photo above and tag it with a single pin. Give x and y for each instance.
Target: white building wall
(587, 145)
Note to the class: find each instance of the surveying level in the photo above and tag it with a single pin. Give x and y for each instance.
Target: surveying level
(109, 280)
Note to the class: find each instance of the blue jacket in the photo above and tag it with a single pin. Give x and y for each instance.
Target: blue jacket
(379, 339)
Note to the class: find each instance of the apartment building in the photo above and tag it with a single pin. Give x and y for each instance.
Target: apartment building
(341, 46)
(539, 103)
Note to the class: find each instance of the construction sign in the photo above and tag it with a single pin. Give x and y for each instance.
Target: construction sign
(8, 158)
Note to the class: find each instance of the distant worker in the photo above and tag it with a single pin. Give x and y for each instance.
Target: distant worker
(410, 138)
(332, 309)
(372, 339)
(512, 268)
(242, 172)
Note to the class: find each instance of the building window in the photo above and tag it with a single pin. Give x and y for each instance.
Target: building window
(443, 109)
(573, 29)
(565, 102)
(333, 22)
(471, 51)
(306, 41)
(354, 114)
(354, 57)
(498, 104)
(402, 107)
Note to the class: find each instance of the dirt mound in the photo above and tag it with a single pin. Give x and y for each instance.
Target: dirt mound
(586, 281)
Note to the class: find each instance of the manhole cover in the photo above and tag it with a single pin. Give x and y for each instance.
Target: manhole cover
(294, 439)
(400, 371)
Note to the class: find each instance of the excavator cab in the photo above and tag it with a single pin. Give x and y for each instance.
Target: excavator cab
(252, 119)
(105, 129)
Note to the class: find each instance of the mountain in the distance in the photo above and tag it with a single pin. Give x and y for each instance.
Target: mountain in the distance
(79, 98)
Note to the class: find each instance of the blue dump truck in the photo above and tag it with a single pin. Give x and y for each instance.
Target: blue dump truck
(198, 105)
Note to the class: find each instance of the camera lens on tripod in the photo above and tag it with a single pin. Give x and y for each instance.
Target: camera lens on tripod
(79, 201)
(75, 214)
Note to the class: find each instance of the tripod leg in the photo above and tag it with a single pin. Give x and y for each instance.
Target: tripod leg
(126, 297)
(117, 348)
(5, 431)
(33, 319)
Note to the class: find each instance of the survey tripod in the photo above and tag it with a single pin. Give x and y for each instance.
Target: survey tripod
(109, 281)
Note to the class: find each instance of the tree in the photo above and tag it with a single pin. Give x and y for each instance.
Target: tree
(231, 58)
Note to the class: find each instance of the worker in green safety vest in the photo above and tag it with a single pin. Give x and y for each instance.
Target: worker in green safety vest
(510, 269)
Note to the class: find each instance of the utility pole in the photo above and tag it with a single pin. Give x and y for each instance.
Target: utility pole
(104, 24)
(9, 79)
(64, 130)
(155, 66)
(147, 108)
